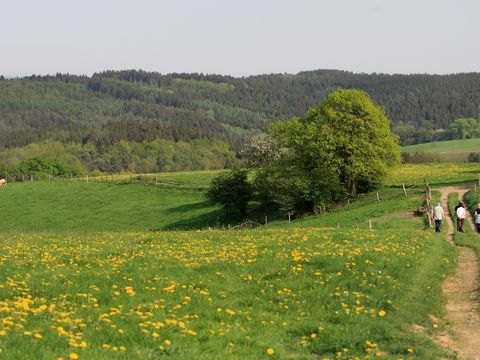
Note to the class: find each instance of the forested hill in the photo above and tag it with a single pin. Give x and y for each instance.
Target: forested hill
(142, 106)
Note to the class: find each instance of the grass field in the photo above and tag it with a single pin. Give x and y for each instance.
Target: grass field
(103, 206)
(82, 275)
(413, 175)
(295, 293)
(448, 151)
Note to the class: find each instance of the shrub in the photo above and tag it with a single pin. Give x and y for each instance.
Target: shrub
(231, 190)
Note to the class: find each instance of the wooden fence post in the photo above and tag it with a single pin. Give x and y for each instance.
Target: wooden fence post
(428, 196)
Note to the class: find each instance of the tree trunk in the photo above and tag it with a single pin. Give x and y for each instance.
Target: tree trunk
(243, 212)
(352, 187)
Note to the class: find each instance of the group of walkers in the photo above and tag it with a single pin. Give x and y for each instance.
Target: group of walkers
(460, 213)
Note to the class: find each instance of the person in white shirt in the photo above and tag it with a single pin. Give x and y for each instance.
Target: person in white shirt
(438, 215)
(460, 211)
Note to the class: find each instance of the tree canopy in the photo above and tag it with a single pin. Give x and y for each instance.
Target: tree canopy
(231, 190)
(338, 149)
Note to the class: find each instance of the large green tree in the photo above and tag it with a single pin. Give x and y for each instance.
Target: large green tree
(340, 148)
(357, 133)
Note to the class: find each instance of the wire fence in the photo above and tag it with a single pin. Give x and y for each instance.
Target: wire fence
(145, 179)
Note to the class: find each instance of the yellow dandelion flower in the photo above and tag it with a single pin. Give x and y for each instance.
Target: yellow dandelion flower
(270, 351)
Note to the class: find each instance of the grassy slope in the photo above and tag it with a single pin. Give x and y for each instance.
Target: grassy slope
(452, 150)
(99, 206)
(303, 280)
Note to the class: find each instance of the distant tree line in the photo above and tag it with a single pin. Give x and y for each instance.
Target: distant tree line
(71, 159)
(119, 120)
(190, 106)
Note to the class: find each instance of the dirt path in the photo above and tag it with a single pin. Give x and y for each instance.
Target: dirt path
(461, 290)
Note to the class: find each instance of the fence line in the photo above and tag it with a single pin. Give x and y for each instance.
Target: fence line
(145, 179)
(155, 180)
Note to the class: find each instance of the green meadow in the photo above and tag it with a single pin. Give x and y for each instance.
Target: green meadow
(95, 271)
(448, 151)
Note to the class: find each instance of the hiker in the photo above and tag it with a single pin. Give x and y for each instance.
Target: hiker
(460, 211)
(438, 215)
(477, 218)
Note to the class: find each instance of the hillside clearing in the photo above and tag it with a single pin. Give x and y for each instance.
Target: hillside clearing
(448, 151)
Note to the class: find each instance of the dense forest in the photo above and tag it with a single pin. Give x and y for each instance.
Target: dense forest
(139, 107)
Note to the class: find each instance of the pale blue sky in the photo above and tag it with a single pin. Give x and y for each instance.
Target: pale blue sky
(239, 37)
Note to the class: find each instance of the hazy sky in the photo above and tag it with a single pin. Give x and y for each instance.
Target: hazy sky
(240, 37)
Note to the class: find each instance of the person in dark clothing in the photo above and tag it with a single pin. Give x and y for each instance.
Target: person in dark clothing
(476, 218)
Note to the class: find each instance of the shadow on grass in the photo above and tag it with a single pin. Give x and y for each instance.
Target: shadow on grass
(217, 218)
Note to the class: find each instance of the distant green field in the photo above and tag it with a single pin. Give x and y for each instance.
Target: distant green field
(436, 174)
(448, 151)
